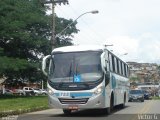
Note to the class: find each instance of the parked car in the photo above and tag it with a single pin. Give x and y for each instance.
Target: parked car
(158, 93)
(1, 92)
(147, 95)
(8, 92)
(43, 91)
(18, 92)
(37, 91)
(28, 91)
(136, 95)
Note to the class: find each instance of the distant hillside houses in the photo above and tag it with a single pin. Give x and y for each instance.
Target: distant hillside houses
(144, 72)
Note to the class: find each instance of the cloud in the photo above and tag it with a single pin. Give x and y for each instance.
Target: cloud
(145, 48)
(131, 25)
(149, 44)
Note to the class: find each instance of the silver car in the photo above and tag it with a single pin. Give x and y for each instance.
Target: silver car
(136, 95)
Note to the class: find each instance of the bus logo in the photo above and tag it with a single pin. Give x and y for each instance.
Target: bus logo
(77, 78)
(73, 86)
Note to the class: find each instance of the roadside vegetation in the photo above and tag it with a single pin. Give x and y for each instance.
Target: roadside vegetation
(13, 105)
(25, 35)
(155, 98)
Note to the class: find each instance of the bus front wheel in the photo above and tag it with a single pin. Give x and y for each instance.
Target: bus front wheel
(110, 109)
(67, 111)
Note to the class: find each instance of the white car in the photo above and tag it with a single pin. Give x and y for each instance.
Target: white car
(28, 91)
(37, 91)
(43, 91)
(159, 93)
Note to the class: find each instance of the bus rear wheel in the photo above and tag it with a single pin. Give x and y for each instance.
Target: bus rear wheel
(124, 102)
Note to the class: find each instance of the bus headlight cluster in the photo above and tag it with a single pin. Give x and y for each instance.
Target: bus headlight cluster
(99, 90)
(50, 91)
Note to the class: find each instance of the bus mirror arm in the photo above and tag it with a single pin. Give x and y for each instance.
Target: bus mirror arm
(107, 78)
(44, 61)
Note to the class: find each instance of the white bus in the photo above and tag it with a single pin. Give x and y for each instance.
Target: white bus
(85, 77)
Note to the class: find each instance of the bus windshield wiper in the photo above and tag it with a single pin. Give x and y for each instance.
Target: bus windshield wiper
(70, 71)
(76, 69)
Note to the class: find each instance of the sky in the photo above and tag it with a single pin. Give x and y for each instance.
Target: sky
(132, 26)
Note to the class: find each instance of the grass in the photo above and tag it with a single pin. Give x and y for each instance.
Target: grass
(18, 105)
(156, 98)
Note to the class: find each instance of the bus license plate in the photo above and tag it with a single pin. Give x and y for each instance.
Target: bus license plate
(73, 107)
(64, 94)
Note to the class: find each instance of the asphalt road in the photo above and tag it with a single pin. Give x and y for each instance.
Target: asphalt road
(148, 110)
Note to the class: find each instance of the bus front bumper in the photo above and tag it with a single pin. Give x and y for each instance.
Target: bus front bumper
(93, 102)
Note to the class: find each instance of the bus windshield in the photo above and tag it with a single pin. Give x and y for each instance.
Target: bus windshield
(76, 67)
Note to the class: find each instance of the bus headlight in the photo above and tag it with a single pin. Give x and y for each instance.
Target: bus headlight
(98, 90)
(50, 91)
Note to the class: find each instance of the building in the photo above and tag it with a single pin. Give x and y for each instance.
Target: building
(144, 72)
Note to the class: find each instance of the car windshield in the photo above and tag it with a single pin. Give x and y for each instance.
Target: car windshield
(136, 92)
(76, 67)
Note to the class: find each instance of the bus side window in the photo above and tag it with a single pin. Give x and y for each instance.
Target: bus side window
(113, 64)
(107, 67)
(110, 62)
(120, 72)
(125, 72)
(117, 65)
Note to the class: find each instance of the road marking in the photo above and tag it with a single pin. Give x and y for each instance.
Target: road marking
(148, 108)
(145, 109)
(146, 105)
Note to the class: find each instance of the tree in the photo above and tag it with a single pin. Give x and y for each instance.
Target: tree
(134, 79)
(24, 37)
(66, 37)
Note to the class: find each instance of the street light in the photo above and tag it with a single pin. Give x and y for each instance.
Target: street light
(107, 45)
(93, 12)
(123, 54)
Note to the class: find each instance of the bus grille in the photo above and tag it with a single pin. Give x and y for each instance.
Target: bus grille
(73, 101)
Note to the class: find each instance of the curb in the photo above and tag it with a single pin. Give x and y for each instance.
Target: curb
(20, 111)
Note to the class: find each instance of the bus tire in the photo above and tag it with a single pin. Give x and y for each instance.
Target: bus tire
(67, 111)
(112, 103)
(124, 102)
(110, 108)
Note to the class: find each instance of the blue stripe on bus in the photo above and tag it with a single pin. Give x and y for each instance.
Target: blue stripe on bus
(81, 94)
(88, 94)
(56, 94)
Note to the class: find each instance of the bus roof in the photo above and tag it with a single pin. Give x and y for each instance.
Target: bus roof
(77, 48)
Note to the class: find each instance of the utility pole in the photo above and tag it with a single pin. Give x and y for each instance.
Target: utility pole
(54, 2)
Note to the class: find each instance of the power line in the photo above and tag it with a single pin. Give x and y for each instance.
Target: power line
(91, 29)
(89, 36)
(54, 2)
